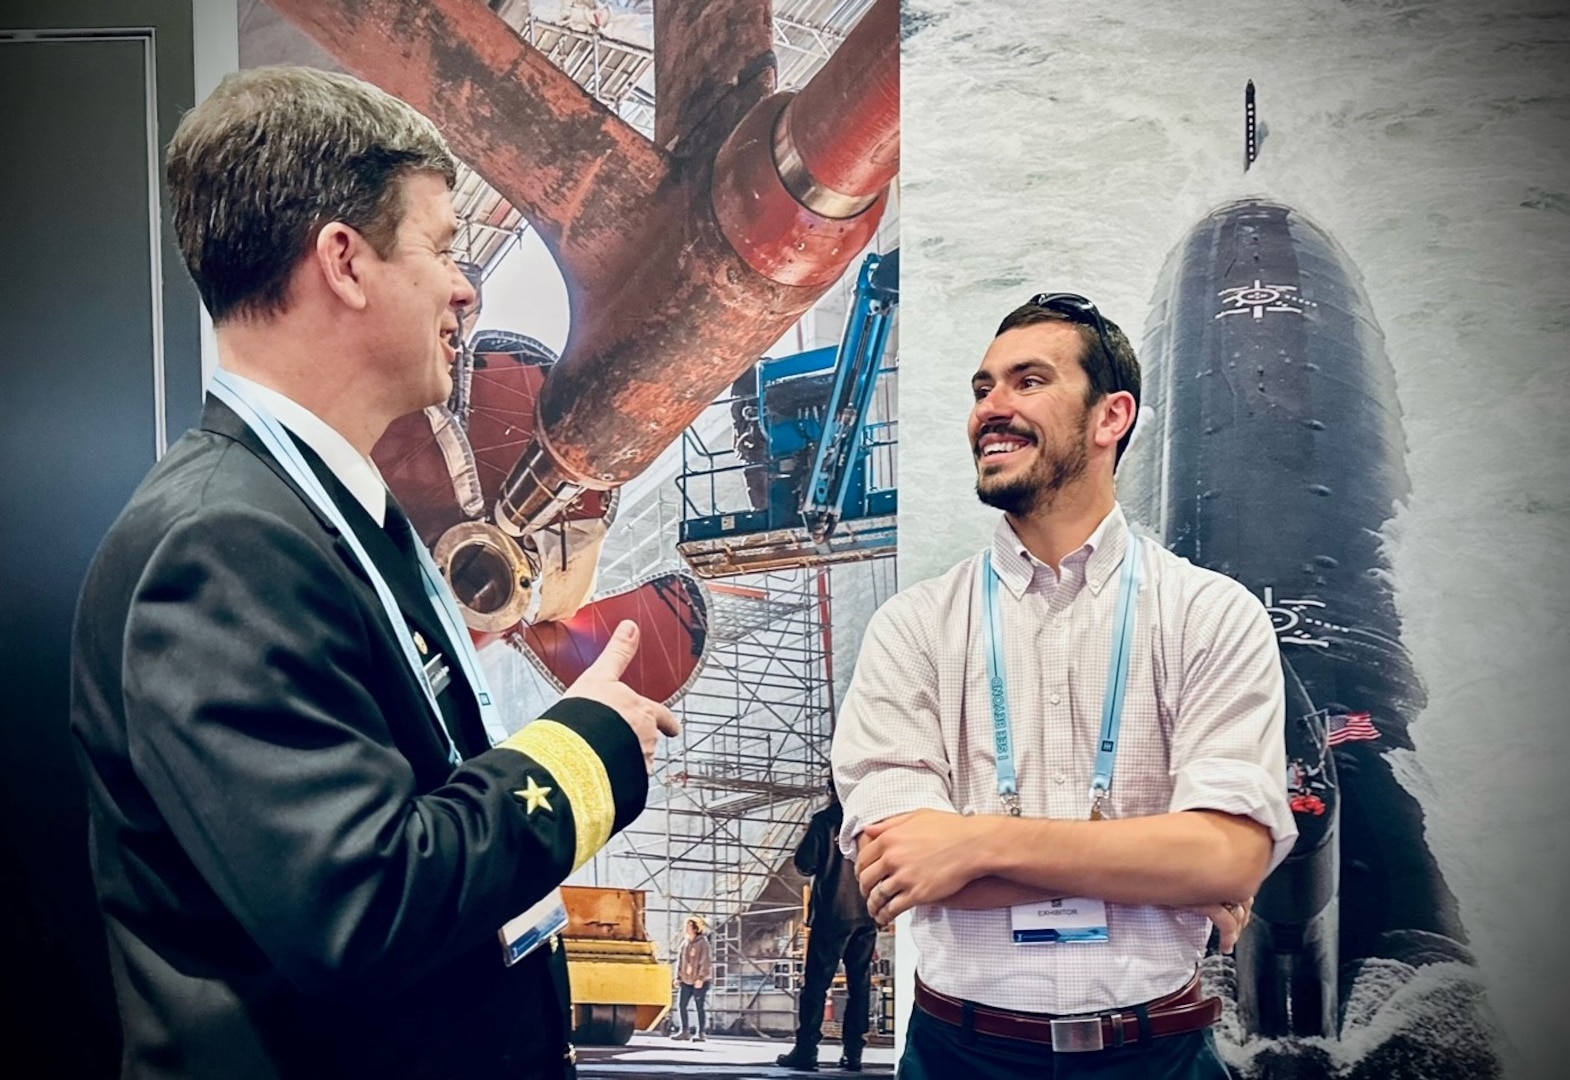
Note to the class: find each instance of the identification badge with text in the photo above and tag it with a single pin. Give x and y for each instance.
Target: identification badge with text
(526, 932)
(1066, 920)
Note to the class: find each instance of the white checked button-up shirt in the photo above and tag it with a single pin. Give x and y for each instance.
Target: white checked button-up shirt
(1201, 729)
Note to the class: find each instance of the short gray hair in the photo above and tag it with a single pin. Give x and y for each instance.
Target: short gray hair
(273, 155)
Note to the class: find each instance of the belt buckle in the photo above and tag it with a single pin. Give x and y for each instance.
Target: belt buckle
(1076, 1034)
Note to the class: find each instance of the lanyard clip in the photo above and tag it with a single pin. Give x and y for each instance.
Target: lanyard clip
(1098, 798)
(1010, 801)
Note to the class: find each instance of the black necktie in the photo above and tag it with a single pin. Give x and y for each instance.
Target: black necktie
(401, 533)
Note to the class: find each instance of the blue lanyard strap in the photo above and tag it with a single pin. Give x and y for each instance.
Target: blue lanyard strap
(276, 440)
(1117, 677)
(1112, 701)
(1008, 781)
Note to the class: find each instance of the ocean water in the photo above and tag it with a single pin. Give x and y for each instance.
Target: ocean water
(1070, 145)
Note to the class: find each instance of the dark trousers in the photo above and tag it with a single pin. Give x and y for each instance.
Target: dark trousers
(825, 947)
(935, 1050)
(688, 992)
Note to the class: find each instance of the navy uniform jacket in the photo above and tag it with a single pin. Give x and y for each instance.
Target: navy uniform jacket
(295, 880)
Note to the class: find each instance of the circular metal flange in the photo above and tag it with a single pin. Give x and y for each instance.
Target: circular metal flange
(489, 573)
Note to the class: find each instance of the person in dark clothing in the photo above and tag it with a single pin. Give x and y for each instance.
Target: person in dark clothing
(317, 850)
(751, 445)
(840, 929)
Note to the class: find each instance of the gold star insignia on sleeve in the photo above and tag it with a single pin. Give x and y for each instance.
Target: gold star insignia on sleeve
(534, 796)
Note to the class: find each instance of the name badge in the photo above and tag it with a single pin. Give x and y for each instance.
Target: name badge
(528, 931)
(438, 673)
(1067, 920)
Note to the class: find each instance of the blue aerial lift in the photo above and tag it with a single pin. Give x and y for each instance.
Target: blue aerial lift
(818, 471)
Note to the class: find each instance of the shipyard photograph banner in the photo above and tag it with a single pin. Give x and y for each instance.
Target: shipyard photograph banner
(674, 403)
(1336, 235)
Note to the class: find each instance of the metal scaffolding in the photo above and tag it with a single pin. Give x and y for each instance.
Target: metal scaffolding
(750, 768)
(733, 793)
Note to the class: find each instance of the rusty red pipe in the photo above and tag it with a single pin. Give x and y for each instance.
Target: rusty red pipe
(738, 259)
(796, 182)
(853, 163)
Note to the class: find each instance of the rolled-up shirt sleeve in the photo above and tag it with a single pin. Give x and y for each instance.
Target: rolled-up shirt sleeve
(1228, 749)
(888, 754)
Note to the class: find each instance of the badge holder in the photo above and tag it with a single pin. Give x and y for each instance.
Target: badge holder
(1068, 921)
(528, 931)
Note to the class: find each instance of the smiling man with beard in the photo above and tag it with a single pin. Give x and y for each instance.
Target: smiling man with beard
(1065, 755)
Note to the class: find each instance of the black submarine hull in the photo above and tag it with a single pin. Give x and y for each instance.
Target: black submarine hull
(1271, 450)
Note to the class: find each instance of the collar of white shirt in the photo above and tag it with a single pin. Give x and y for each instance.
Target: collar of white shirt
(358, 474)
(1100, 555)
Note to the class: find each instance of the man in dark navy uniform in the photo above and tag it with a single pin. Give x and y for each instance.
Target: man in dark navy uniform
(307, 850)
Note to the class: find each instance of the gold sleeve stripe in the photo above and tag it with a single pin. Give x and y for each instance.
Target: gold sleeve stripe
(579, 773)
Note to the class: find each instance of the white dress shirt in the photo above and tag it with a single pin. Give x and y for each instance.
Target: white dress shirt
(1202, 728)
(356, 472)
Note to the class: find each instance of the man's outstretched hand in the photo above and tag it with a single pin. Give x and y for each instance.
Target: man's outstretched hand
(601, 682)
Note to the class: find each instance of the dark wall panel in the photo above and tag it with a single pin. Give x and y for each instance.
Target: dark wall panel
(78, 383)
(92, 353)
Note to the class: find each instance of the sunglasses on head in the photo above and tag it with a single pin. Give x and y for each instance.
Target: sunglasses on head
(1081, 310)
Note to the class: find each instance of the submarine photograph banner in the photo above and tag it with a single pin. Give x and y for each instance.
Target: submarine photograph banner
(1336, 234)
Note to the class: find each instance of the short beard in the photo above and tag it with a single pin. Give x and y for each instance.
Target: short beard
(1038, 489)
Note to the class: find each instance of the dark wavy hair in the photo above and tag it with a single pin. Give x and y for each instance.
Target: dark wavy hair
(1116, 368)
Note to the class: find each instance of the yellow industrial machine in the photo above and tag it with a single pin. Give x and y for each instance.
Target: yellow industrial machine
(618, 986)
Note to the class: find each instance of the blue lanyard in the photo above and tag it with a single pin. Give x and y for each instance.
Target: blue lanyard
(266, 427)
(1111, 702)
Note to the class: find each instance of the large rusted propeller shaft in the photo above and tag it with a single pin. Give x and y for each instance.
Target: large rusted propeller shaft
(844, 126)
(739, 255)
(684, 265)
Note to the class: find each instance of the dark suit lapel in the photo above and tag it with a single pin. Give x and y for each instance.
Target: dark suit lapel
(419, 611)
(219, 419)
(457, 702)
(406, 586)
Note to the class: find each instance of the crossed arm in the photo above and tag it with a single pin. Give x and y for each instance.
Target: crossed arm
(1195, 859)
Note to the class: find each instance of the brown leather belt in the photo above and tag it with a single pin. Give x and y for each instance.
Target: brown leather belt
(1182, 1011)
